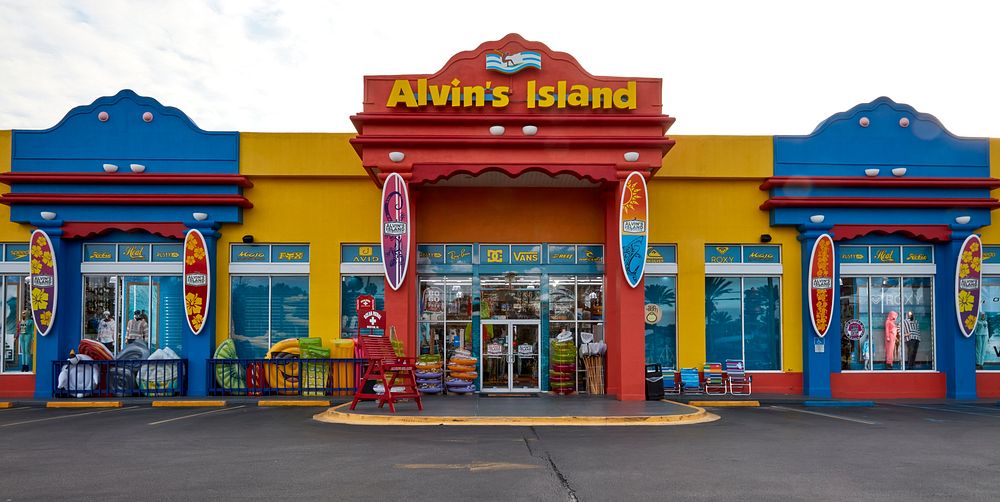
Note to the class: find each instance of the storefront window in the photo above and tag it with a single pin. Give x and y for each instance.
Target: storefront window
(352, 286)
(445, 314)
(661, 321)
(576, 308)
(18, 332)
(868, 305)
(743, 320)
(510, 296)
(988, 336)
(111, 301)
(266, 310)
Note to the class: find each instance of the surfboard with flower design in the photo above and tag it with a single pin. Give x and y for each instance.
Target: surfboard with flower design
(43, 280)
(968, 284)
(821, 280)
(196, 280)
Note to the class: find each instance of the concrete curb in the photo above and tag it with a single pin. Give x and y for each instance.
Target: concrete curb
(83, 404)
(726, 404)
(297, 402)
(336, 416)
(189, 404)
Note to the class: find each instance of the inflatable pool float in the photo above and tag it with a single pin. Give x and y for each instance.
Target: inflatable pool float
(428, 365)
(457, 382)
(228, 376)
(562, 385)
(428, 374)
(431, 389)
(466, 361)
(465, 375)
(121, 379)
(460, 368)
(428, 381)
(283, 373)
(563, 367)
(95, 350)
(462, 390)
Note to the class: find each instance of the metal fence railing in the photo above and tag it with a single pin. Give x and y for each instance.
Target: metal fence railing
(293, 377)
(120, 378)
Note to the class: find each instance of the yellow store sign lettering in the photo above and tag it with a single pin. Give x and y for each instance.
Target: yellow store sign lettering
(561, 95)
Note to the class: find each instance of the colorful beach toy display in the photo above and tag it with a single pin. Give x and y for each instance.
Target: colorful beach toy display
(562, 364)
(429, 374)
(462, 373)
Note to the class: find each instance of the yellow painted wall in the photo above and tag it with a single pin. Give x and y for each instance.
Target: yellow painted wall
(308, 188)
(707, 193)
(991, 234)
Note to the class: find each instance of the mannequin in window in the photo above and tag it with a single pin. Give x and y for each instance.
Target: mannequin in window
(891, 337)
(106, 331)
(982, 334)
(137, 328)
(911, 338)
(25, 334)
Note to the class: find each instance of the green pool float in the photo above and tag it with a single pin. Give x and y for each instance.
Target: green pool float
(229, 376)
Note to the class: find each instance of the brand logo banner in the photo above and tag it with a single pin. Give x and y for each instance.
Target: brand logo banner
(395, 229)
(968, 284)
(506, 62)
(633, 227)
(821, 280)
(44, 281)
(197, 280)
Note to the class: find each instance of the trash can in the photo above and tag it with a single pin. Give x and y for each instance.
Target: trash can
(654, 382)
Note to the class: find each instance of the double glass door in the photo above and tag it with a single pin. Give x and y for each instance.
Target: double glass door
(110, 301)
(510, 356)
(871, 304)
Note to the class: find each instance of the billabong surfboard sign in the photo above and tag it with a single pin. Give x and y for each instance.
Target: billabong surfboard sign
(968, 284)
(395, 229)
(44, 281)
(633, 228)
(821, 275)
(197, 281)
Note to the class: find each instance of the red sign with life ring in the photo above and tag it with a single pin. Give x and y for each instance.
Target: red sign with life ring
(197, 280)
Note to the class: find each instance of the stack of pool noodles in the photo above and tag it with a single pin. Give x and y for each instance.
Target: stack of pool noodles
(562, 364)
(462, 372)
(430, 375)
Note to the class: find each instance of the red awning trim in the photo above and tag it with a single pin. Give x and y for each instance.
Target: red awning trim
(85, 230)
(431, 173)
(661, 142)
(127, 199)
(928, 233)
(126, 179)
(898, 202)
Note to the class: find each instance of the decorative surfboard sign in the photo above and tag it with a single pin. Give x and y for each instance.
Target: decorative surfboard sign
(633, 227)
(968, 284)
(44, 282)
(197, 280)
(395, 230)
(821, 278)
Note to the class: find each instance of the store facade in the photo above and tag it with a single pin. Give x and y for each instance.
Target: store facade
(515, 160)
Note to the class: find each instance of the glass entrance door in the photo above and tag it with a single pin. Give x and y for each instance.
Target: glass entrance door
(510, 356)
(871, 304)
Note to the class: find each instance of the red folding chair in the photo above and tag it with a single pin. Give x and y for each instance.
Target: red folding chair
(385, 367)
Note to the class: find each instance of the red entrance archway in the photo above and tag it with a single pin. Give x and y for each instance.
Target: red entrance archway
(517, 108)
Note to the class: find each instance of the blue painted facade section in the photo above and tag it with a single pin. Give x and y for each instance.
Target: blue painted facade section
(169, 143)
(842, 147)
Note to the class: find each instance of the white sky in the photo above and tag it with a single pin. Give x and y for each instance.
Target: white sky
(728, 67)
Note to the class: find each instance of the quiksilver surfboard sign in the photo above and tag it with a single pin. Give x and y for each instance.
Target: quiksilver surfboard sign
(197, 280)
(633, 227)
(821, 275)
(968, 284)
(395, 229)
(44, 281)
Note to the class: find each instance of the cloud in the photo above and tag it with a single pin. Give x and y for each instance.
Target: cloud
(728, 67)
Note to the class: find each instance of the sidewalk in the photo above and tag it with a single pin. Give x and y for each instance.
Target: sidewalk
(520, 411)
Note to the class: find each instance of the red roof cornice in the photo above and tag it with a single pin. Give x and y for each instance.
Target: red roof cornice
(126, 199)
(876, 182)
(884, 202)
(125, 179)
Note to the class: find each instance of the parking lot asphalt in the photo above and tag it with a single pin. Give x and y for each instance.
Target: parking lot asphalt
(892, 451)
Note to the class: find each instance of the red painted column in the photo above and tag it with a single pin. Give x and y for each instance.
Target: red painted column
(624, 328)
(401, 304)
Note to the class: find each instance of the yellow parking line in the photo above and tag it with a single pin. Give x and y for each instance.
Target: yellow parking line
(6, 404)
(725, 403)
(83, 404)
(296, 402)
(189, 404)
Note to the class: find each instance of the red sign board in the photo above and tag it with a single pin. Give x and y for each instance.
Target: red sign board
(364, 303)
(373, 319)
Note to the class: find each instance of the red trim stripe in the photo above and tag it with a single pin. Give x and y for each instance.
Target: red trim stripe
(663, 143)
(898, 202)
(865, 182)
(126, 199)
(125, 179)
